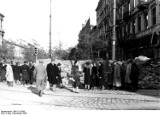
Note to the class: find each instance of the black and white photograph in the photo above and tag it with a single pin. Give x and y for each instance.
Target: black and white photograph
(79, 55)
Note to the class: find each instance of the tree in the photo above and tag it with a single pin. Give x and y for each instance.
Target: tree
(7, 51)
(42, 54)
(29, 54)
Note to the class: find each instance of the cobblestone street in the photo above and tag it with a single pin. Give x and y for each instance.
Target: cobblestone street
(25, 97)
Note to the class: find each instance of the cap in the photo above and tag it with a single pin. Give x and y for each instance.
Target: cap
(25, 61)
(58, 64)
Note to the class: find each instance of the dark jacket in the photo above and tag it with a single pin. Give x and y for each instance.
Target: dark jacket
(25, 72)
(17, 72)
(3, 72)
(87, 75)
(52, 73)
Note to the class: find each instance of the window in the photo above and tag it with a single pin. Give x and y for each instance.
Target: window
(145, 20)
(128, 28)
(139, 23)
(134, 26)
(122, 31)
(129, 7)
(125, 30)
(154, 16)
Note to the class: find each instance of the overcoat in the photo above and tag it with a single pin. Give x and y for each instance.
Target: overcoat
(32, 79)
(17, 72)
(94, 76)
(41, 76)
(3, 72)
(52, 73)
(9, 73)
(117, 76)
(128, 71)
(25, 72)
(59, 75)
(134, 75)
(76, 76)
(87, 75)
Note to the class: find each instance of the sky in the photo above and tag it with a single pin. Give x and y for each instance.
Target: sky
(29, 19)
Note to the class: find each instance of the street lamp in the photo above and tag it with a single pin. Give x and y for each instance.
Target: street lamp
(114, 31)
(50, 31)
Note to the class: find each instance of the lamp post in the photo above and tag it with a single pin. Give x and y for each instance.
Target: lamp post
(50, 29)
(114, 31)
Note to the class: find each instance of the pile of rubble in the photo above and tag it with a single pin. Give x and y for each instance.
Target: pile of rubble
(149, 77)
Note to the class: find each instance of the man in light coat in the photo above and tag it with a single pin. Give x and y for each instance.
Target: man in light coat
(9, 74)
(41, 77)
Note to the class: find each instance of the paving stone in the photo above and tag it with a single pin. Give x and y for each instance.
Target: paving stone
(96, 99)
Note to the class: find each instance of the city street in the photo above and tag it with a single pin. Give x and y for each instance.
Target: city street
(24, 98)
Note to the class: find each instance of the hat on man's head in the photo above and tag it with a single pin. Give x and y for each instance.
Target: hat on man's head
(59, 64)
(25, 61)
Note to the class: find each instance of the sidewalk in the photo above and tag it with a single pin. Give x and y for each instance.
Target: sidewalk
(20, 97)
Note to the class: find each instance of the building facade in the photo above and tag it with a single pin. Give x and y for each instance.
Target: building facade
(17, 50)
(137, 27)
(1, 29)
(104, 25)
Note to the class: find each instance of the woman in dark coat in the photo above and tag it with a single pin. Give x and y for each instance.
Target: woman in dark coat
(3, 72)
(94, 76)
(59, 75)
(100, 76)
(25, 73)
(31, 68)
(17, 73)
(134, 76)
(110, 75)
(52, 73)
(87, 75)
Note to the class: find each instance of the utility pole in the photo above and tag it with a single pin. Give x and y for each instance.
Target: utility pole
(50, 31)
(114, 32)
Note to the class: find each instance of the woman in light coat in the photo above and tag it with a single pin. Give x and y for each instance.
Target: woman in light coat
(9, 75)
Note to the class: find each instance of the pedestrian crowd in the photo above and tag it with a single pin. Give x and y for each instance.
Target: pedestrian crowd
(117, 75)
(29, 73)
(97, 75)
(16, 73)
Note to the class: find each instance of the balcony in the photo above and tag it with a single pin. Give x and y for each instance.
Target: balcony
(143, 4)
